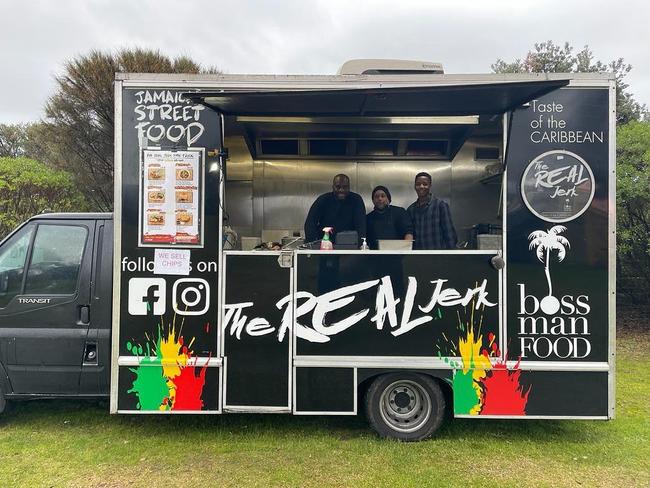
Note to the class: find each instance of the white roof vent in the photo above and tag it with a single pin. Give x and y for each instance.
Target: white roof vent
(389, 66)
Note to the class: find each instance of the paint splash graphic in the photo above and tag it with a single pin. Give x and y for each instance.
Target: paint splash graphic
(167, 377)
(504, 395)
(495, 390)
(188, 389)
(481, 382)
(468, 375)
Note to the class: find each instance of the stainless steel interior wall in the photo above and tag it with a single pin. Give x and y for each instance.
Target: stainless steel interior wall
(239, 206)
(276, 201)
(240, 163)
(289, 188)
(238, 203)
(474, 198)
(398, 177)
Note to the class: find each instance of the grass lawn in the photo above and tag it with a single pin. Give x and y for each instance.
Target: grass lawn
(61, 443)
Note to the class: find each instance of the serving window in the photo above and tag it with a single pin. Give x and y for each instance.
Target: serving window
(267, 197)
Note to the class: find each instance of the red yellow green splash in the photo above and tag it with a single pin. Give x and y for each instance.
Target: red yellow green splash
(167, 377)
(481, 382)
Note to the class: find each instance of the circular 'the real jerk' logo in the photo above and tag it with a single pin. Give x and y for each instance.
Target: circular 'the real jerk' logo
(558, 186)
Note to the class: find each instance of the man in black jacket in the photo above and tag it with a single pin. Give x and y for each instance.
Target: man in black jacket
(387, 221)
(341, 209)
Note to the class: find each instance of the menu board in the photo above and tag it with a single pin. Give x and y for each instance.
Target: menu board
(171, 193)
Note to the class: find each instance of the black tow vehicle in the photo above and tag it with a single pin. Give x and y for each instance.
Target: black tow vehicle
(55, 307)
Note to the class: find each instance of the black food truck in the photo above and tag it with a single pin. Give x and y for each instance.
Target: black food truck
(517, 321)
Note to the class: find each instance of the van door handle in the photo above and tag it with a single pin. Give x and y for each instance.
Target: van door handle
(84, 314)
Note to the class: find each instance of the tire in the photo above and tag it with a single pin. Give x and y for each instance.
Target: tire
(405, 406)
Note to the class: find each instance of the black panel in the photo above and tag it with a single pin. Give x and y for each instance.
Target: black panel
(258, 365)
(170, 122)
(279, 146)
(136, 328)
(325, 389)
(577, 121)
(442, 326)
(569, 393)
(328, 147)
(364, 374)
(129, 399)
(485, 98)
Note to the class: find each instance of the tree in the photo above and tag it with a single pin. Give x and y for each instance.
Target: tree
(27, 140)
(79, 121)
(12, 140)
(633, 207)
(28, 187)
(548, 57)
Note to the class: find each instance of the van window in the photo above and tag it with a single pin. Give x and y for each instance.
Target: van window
(56, 259)
(12, 265)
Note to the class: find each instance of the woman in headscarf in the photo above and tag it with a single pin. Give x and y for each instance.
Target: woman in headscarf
(387, 221)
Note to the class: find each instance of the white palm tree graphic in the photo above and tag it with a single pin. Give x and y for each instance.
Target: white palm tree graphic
(545, 242)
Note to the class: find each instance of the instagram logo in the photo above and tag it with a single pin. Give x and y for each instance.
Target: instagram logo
(191, 296)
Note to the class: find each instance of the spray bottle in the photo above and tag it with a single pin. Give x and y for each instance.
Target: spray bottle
(364, 245)
(325, 243)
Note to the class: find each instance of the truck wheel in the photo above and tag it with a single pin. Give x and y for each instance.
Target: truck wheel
(405, 406)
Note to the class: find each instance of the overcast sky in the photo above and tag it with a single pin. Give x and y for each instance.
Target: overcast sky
(306, 37)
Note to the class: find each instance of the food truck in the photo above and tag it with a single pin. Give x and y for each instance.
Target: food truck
(516, 322)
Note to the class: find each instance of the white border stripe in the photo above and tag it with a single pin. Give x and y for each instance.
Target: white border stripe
(255, 409)
(410, 362)
(503, 336)
(143, 361)
(117, 248)
(532, 417)
(425, 252)
(612, 252)
(170, 412)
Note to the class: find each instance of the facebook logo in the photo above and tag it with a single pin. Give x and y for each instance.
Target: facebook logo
(147, 296)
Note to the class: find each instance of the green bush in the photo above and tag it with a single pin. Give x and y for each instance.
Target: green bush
(29, 187)
(633, 209)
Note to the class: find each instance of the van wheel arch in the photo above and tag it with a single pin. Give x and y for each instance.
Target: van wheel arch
(445, 386)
